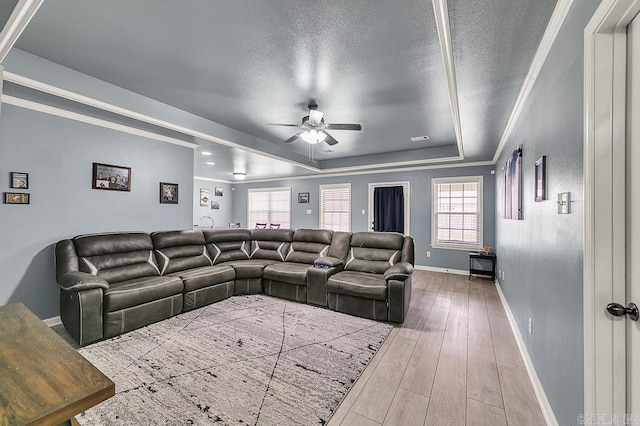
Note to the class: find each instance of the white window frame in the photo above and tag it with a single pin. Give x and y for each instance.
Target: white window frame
(275, 189)
(333, 186)
(434, 206)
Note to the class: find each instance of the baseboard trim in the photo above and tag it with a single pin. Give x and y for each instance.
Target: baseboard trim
(547, 411)
(445, 270)
(53, 321)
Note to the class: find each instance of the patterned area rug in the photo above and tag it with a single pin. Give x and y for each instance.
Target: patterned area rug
(253, 360)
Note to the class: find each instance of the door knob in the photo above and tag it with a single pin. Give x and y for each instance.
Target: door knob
(617, 310)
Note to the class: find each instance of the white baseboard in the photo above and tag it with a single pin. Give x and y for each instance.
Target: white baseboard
(436, 269)
(51, 322)
(547, 411)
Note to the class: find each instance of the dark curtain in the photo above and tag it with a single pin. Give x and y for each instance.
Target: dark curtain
(388, 209)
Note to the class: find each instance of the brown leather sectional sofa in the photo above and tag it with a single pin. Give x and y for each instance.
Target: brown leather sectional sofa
(117, 282)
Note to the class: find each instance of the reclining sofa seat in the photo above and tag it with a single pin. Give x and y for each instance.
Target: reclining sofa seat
(288, 280)
(111, 284)
(183, 254)
(376, 280)
(232, 247)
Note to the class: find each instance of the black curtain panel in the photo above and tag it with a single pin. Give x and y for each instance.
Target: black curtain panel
(388, 209)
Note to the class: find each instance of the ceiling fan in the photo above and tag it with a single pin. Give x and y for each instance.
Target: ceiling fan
(315, 129)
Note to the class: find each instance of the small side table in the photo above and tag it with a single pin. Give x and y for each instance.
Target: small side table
(474, 255)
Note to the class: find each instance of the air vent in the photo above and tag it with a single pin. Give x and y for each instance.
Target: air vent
(419, 138)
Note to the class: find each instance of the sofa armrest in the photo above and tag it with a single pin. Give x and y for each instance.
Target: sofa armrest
(79, 281)
(400, 271)
(328, 262)
(318, 276)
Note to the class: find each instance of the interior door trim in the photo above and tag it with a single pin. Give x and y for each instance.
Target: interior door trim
(604, 204)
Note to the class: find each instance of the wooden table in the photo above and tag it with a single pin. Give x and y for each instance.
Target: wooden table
(43, 380)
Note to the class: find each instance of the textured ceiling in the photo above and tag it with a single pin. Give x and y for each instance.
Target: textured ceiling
(243, 64)
(6, 8)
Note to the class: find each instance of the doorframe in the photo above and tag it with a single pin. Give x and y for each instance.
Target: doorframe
(605, 57)
(406, 192)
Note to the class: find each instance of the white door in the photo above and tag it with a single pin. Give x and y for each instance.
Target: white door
(633, 216)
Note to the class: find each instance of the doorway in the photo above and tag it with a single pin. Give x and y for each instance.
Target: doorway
(406, 199)
(612, 201)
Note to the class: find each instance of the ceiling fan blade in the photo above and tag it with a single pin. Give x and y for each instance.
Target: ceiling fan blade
(282, 124)
(329, 139)
(344, 126)
(292, 138)
(315, 116)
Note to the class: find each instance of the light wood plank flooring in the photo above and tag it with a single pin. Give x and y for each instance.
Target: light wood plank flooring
(454, 361)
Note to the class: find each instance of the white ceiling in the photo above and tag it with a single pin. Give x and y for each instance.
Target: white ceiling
(243, 64)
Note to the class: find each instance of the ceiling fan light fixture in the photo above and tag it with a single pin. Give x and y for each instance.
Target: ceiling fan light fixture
(310, 137)
(240, 175)
(321, 136)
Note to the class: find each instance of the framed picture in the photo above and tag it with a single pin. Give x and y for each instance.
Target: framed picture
(19, 180)
(111, 178)
(168, 193)
(303, 197)
(215, 205)
(204, 197)
(16, 198)
(218, 192)
(541, 179)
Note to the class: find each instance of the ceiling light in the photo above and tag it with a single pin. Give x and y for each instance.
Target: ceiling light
(205, 153)
(239, 175)
(312, 136)
(211, 163)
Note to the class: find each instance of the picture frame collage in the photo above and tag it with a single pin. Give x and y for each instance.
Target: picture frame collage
(19, 181)
(207, 201)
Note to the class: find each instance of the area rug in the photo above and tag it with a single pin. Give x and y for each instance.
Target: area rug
(253, 360)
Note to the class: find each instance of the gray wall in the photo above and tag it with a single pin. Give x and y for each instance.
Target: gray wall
(420, 207)
(541, 255)
(221, 217)
(58, 155)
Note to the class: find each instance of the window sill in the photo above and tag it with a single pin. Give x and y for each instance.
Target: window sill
(456, 247)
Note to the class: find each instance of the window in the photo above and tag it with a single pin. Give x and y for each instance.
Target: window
(456, 220)
(335, 207)
(269, 205)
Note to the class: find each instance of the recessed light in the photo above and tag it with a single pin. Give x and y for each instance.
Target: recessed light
(211, 163)
(205, 153)
(326, 151)
(419, 138)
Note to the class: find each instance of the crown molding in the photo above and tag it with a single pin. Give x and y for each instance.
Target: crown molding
(441, 12)
(58, 112)
(367, 172)
(18, 21)
(105, 106)
(548, 39)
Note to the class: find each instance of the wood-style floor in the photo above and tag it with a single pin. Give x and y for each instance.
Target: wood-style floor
(454, 361)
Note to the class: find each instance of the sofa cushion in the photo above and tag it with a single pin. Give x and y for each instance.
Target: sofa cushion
(288, 272)
(180, 250)
(374, 252)
(225, 245)
(116, 257)
(252, 268)
(205, 276)
(270, 243)
(308, 245)
(358, 284)
(135, 292)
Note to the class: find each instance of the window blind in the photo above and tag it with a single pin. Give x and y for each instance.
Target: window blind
(335, 207)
